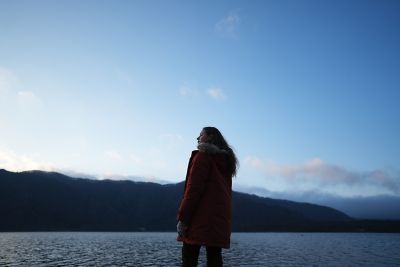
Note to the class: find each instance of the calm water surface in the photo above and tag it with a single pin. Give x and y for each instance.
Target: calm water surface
(161, 249)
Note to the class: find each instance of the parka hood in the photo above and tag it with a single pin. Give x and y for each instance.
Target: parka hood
(210, 148)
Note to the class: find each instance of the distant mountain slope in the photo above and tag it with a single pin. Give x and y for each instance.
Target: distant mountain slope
(43, 201)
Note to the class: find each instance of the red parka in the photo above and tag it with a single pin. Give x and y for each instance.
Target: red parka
(207, 201)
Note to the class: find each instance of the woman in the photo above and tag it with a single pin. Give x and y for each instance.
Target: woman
(204, 216)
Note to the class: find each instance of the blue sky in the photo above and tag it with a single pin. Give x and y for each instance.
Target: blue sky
(307, 92)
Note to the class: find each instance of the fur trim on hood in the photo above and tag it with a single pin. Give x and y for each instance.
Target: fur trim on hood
(210, 148)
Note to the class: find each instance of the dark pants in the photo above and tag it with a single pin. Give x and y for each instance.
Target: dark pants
(190, 255)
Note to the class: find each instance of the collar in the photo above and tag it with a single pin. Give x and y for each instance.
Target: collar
(210, 148)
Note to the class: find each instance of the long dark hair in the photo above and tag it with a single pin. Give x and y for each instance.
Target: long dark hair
(218, 139)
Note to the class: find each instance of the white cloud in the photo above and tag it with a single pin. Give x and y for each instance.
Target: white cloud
(113, 155)
(186, 91)
(228, 26)
(216, 93)
(10, 90)
(316, 173)
(12, 161)
(26, 94)
(28, 98)
(8, 80)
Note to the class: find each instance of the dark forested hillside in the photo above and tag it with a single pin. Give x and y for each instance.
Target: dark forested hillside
(42, 201)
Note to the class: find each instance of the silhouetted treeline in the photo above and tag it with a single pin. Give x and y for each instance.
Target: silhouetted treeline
(43, 201)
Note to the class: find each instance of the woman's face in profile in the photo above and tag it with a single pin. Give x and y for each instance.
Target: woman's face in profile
(202, 137)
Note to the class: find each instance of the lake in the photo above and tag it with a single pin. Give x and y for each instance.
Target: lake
(161, 249)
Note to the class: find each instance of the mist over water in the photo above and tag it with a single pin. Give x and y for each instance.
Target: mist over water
(161, 249)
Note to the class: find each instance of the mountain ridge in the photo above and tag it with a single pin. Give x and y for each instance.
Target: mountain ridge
(50, 201)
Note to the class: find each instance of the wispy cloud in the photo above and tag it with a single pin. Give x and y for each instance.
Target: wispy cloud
(187, 91)
(113, 155)
(13, 161)
(319, 173)
(28, 98)
(10, 90)
(26, 94)
(8, 80)
(216, 93)
(227, 26)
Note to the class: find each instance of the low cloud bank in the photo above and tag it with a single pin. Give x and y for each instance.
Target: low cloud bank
(316, 173)
(383, 207)
(15, 162)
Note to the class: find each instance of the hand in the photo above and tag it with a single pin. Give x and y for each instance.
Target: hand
(181, 228)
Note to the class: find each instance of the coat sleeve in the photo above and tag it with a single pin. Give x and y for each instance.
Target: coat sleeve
(196, 182)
